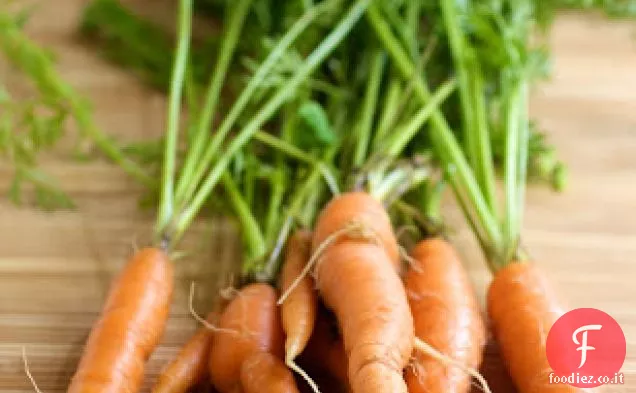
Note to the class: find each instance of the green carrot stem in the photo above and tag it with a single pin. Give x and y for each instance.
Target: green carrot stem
(192, 101)
(230, 39)
(433, 204)
(405, 134)
(389, 112)
(191, 179)
(511, 171)
(460, 53)
(273, 104)
(166, 203)
(412, 17)
(284, 147)
(298, 201)
(471, 94)
(254, 240)
(397, 23)
(463, 181)
(369, 105)
(276, 196)
(484, 165)
(522, 166)
(294, 152)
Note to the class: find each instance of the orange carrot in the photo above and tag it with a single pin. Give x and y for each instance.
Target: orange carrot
(522, 309)
(446, 316)
(190, 367)
(263, 372)
(298, 311)
(249, 324)
(361, 209)
(361, 286)
(129, 328)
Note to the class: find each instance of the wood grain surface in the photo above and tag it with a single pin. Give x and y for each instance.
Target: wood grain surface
(55, 267)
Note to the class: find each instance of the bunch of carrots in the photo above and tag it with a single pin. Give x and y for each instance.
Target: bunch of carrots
(350, 308)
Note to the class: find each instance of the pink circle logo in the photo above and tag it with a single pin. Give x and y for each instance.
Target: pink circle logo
(586, 348)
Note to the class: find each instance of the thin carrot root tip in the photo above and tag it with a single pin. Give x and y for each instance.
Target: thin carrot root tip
(27, 371)
(424, 347)
(355, 228)
(297, 369)
(202, 320)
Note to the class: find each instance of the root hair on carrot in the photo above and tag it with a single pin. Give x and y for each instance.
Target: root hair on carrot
(27, 371)
(424, 347)
(355, 228)
(297, 369)
(202, 320)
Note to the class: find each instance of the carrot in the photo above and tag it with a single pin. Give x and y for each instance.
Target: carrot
(263, 372)
(344, 212)
(190, 367)
(446, 316)
(298, 310)
(249, 324)
(129, 328)
(522, 309)
(361, 286)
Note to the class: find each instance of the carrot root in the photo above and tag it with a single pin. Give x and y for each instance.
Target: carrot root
(297, 369)
(207, 324)
(27, 371)
(424, 347)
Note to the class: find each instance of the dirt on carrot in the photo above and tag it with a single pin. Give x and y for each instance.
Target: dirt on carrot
(130, 326)
(249, 324)
(446, 316)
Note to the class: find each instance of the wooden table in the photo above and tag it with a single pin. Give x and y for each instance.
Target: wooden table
(55, 268)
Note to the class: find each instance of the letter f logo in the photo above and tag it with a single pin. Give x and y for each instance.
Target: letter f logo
(583, 344)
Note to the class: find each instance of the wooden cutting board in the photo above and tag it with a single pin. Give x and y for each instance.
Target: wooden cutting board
(55, 268)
